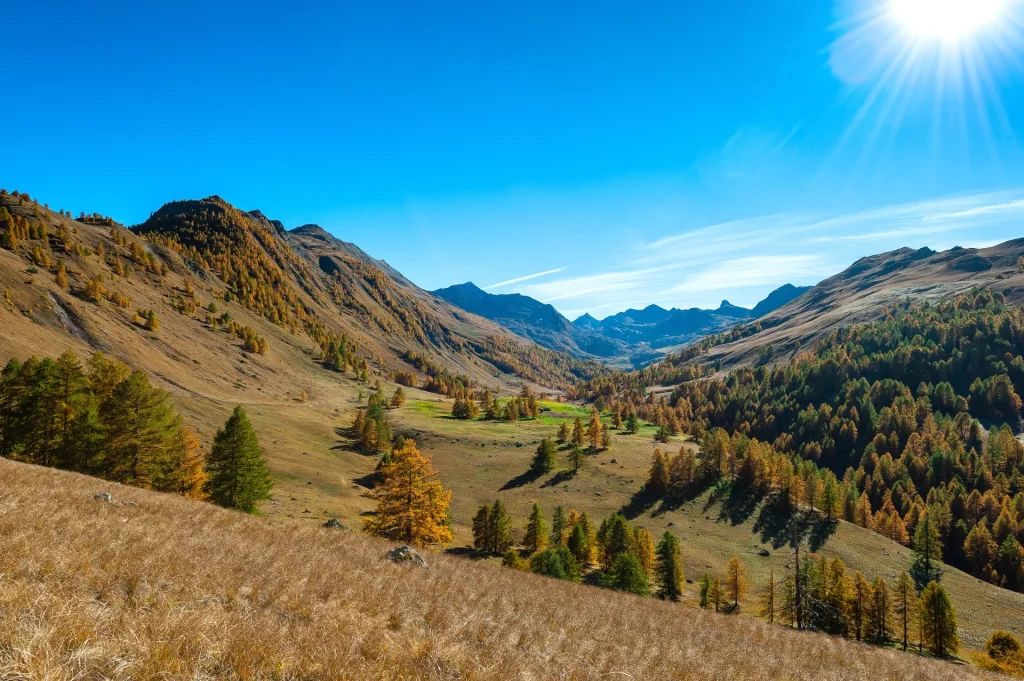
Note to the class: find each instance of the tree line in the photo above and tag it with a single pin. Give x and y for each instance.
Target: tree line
(106, 420)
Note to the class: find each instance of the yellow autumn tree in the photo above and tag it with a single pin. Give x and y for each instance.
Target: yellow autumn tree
(412, 506)
(735, 583)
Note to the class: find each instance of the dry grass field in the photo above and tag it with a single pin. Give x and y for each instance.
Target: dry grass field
(173, 589)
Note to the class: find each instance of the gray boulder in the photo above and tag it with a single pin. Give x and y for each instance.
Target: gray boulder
(102, 496)
(333, 524)
(406, 554)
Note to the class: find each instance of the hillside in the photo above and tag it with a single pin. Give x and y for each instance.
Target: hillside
(178, 589)
(867, 289)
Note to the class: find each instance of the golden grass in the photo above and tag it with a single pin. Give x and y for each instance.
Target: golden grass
(175, 589)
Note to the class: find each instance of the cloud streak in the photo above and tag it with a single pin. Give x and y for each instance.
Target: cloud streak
(527, 277)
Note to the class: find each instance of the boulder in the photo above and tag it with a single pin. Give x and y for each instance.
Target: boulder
(406, 554)
(333, 524)
(102, 496)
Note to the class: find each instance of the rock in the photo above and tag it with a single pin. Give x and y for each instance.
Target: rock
(614, 461)
(128, 503)
(764, 553)
(102, 496)
(406, 554)
(333, 524)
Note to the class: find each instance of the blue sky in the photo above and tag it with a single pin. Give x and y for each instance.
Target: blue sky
(675, 153)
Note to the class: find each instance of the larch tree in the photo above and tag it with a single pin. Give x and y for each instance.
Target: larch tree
(576, 458)
(880, 614)
(558, 527)
(594, 430)
(769, 597)
(905, 606)
(658, 476)
(482, 529)
(643, 547)
(536, 536)
(735, 582)
(563, 432)
(578, 437)
(238, 474)
(670, 567)
(860, 605)
(412, 506)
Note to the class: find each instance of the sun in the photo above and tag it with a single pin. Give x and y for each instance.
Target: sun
(946, 20)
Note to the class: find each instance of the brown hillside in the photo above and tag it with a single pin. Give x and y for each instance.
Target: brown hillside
(164, 587)
(862, 293)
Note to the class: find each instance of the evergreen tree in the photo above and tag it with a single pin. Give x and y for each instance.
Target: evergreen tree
(398, 399)
(626, 573)
(412, 506)
(670, 567)
(501, 528)
(536, 537)
(632, 424)
(939, 626)
(482, 529)
(576, 458)
(556, 562)
(238, 473)
(735, 582)
(579, 544)
(705, 591)
(927, 552)
(558, 528)
(544, 459)
(563, 432)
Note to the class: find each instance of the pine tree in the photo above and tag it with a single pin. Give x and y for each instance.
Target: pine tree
(626, 573)
(536, 537)
(558, 529)
(939, 626)
(501, 528)
(927, 552)
(735, 582)
(412, 506)
(705, 591)
(670, 567)
(905, 606)
(632, 425)
(143, 432)
(576, 458)
(482, 529)
(238, 473)
(579, 544)
(544, 459)
(556, 562)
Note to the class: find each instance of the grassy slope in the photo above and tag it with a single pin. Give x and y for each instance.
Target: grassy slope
(180, 589)
(478, 458)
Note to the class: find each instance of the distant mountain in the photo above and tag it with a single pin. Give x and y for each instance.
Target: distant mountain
(640, 335)
(532, 319)
(778, 298)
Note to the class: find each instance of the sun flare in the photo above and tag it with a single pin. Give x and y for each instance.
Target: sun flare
(948, 20)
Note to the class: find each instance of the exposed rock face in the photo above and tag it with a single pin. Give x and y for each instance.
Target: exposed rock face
(406, 554)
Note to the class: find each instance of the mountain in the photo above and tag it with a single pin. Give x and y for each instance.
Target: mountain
(778, 298)
(214, 276)
(868, 289)
(532, 319)
(637, 335)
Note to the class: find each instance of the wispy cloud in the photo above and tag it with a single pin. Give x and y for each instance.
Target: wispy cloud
(749, 257)
(527, 277)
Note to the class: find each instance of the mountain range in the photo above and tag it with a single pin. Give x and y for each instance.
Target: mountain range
(634, 336)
